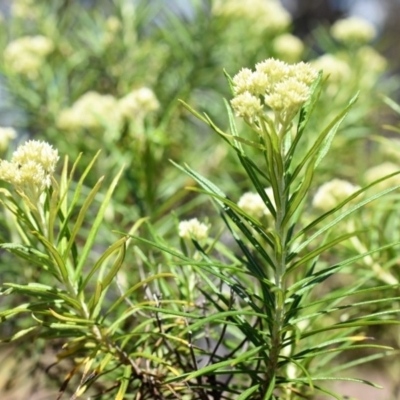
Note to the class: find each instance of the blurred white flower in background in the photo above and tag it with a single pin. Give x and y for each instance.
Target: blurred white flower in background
(331, 193)
(6, 136)
(27, 54)
(193, 228)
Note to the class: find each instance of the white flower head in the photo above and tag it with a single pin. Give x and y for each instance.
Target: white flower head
(261, 15)
(288, 47)
(6, 135)
(138, 103)
(91, 111)
(31, 168)
(193, 229)
(282, 87)
(371, 59)
(242, 81)
(246, 105)
(381, 170)
(275, 70)
(333, 68)
(331, 193)
(113, 24)
(288, 95)
(353, 31)
(252, 203)
(27, 54)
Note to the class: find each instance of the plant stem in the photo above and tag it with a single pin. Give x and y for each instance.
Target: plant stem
(280, 268)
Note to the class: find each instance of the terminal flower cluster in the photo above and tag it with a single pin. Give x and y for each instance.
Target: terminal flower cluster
(331, 193)
(30, 168)
(288, 47)
(26, 55)
(138, 103)
(252, 203)
(91, 111)
(353, 31)
(282, 87)
(193, 229)
(6, 135)
(262, 15)
(96, 111)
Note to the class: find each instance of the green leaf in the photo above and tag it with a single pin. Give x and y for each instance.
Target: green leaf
(55, 255)
(315, 253)
(247, 393)
(136, 287)
(72, 319)
(81, 216)
(271, 388)
(226, 363)
(95, 227)
(115, 267)
(320, 142)
(299, 195)
(124, 383)
(112, 249)
(343, 215)
(32, 255)
(19, 334)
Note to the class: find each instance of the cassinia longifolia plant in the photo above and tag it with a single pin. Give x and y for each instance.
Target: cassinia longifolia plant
(245, 315)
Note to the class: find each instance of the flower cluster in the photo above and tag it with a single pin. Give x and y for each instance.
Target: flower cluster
(96, 111)
(26, 55)
(282, 87)
(6, 135)
(24, 9)
(252, 203)
(138, 103)
(331, 193)
(91, 111)
(333, 68)
(381, 170)
(353, 31)
(30, 168)
(288, 47)
(193, 229)
(263, 16)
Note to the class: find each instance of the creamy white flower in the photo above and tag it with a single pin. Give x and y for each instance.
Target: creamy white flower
(38, 152)
(283, 87)
(331, 193)
(113, 24)
(6, 135)
(371, 59)
(193, 228)
(333, 68)
(24, 9)
(275, 70)
(252, 203)
(246, 105)
(242, 81)
(91, 111)
(303, 72)
(288, 95)
(30, 168)
(262, 15)
(27, 54)
(381, 170)
(353, 31)
(138, 103)
(288, 47)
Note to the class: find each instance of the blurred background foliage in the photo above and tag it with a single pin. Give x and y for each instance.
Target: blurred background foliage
(108, 75)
